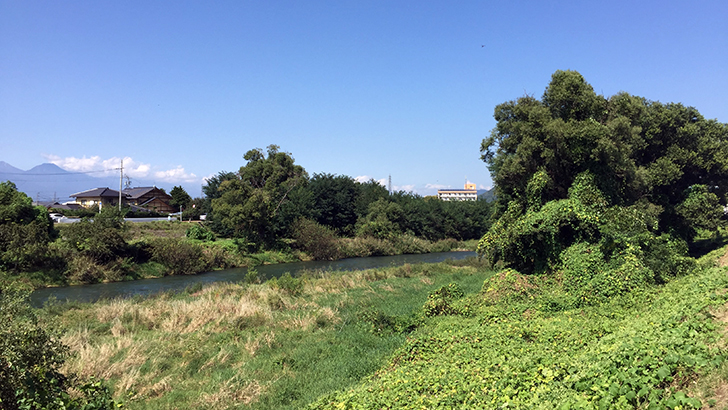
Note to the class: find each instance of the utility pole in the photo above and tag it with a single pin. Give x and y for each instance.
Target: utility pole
(121, 177)
(389, 187)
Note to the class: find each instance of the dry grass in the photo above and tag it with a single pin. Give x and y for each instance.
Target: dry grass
(230, 394)
(147, 348)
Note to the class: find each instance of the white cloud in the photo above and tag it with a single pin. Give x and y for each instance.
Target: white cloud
(98, 167)
(405, 188)
(366, 178)
(436, 186)
(176, 175)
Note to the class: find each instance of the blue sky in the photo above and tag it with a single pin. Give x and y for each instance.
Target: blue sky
(182, 89)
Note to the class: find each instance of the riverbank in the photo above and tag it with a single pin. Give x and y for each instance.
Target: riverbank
(86, 253)
(435, 335)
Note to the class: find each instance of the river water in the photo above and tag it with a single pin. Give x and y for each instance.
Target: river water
(92, 293)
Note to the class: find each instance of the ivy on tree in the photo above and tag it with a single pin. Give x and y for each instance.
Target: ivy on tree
(660, 167)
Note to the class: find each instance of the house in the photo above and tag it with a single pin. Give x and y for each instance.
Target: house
(150, 198)
(470, 193)
(98, 197)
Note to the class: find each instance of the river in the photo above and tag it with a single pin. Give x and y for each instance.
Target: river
(92, 293)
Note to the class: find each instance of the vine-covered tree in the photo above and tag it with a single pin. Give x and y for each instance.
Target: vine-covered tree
(575, 167)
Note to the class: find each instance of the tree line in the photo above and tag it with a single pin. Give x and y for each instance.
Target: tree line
(271, 196)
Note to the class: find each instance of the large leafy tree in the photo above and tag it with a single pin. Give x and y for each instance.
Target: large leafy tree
(249, 203)
(630, 175)
(639, 150)
(335, 201)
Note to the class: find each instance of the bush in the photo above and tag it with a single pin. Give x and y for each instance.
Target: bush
(199, 232)
(287, 283)
(507, 284)
(440, 302)
(99, 239)
(318, 241)
(178, 256)
(30, 361)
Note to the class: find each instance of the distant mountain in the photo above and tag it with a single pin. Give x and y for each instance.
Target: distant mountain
(47, 168)
(49, 182)
(487, 194)
(7, 168)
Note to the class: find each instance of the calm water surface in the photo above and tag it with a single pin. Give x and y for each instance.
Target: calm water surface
(92, 293)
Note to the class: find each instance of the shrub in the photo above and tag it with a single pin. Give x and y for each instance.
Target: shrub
(382, 324)
(318, 241)
(440, 302)
(366, 246)
(99, 239)
(30, 361)
(178, 256)
(252, 276)
(199, 232)
(410, 244)
(288, 284)
(506, 284)
(84, 269)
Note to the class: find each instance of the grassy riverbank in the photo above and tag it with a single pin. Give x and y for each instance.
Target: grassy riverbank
(281, 344)
(448, 335)
(107, 251)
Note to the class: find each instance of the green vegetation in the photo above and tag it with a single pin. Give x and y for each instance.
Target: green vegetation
(448, 335)
(270, 201)
(630, 179)
(31, 357)
(25, 231)
(280, 344)
(524, 342)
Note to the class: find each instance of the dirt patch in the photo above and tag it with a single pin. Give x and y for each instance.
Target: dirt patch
(723, 260)
(719, 399)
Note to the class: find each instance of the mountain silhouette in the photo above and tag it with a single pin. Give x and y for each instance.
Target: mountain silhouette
(49, 182)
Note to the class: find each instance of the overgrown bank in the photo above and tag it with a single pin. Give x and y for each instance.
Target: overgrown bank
(432, 336)
(280, 344)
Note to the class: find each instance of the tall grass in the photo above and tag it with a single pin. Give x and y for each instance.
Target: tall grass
(227, 345)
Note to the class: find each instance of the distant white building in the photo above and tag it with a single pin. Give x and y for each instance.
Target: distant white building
(470, 193)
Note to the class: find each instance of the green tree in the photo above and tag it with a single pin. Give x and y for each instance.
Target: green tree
(384, 220)
(621, 172)
(640, 150)
(180, 198)
(335, 200)
(212, 191)
(249, 204)
(25, 230)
